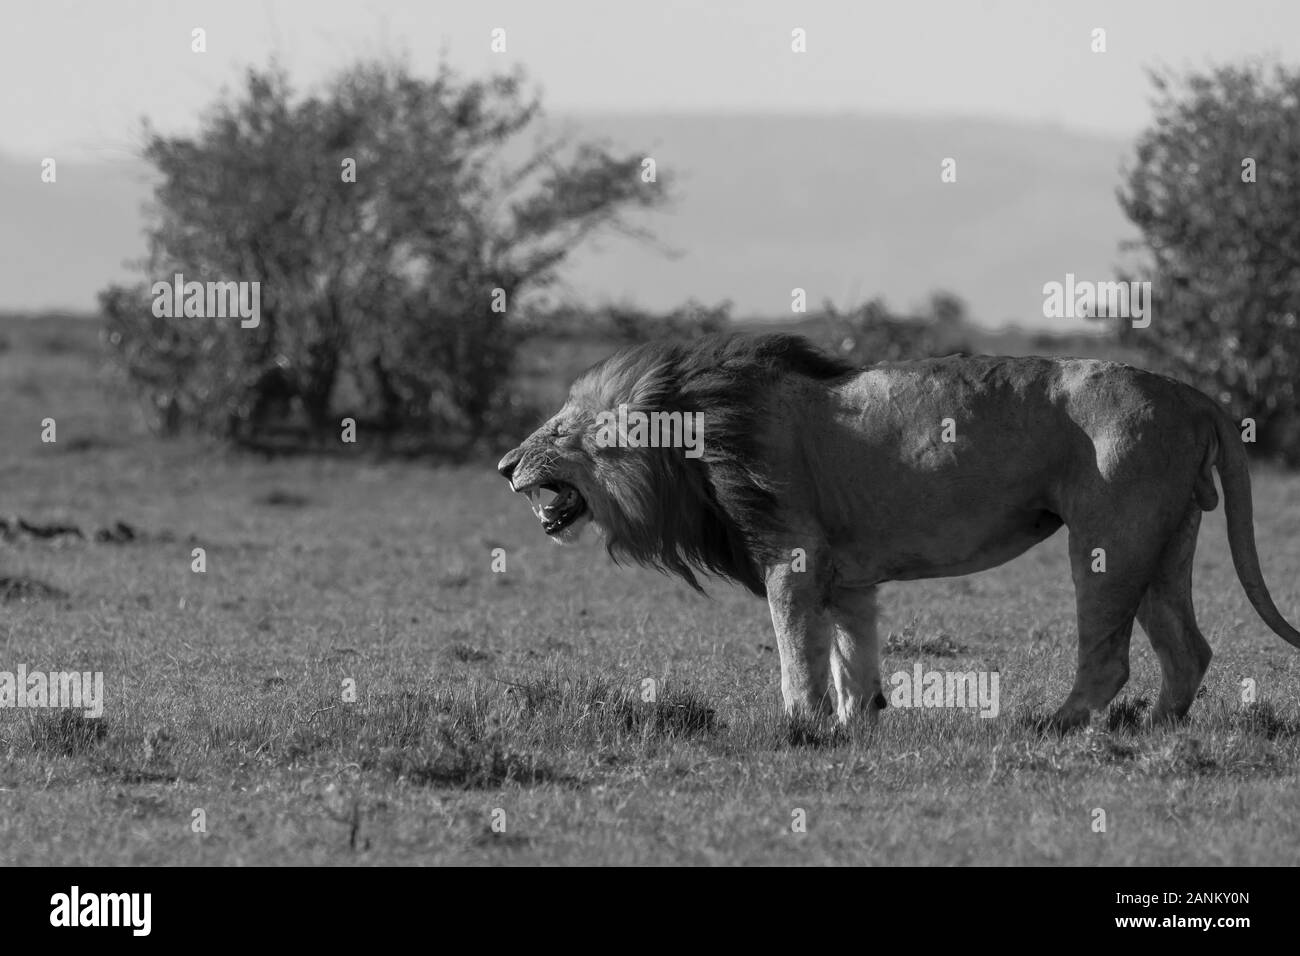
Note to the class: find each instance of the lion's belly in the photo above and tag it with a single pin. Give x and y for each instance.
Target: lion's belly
(968, 553)
(968, 546)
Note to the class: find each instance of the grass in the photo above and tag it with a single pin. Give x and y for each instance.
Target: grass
(607, 715)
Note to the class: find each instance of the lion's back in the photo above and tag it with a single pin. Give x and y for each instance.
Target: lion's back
(944, 413)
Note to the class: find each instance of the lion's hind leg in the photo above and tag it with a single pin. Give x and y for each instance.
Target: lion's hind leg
(1167, 616)
(1107, 596)
(855, 655)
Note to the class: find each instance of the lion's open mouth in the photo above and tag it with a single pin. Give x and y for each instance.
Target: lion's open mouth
(566, 507)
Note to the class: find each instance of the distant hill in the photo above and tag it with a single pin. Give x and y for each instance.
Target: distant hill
(846, 207)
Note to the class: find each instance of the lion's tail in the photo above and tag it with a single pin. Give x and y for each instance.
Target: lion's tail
(1237, 505)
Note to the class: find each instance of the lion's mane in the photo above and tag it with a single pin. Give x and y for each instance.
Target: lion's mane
(715, 514)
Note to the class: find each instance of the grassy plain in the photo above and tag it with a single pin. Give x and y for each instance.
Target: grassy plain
(520, 691)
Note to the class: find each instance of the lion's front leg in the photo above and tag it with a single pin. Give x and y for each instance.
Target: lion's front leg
(804, 637)
(855, 655)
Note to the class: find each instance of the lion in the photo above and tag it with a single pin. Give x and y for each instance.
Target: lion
(815, 481)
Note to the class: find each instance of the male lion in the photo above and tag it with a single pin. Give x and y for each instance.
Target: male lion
(900, 471)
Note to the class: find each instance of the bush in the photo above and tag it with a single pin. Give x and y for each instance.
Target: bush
(1215, 191)
(620, 325)
(874, 334)
(686, 322)
(391, 240)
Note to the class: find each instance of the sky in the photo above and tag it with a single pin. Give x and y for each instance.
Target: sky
(75, 77)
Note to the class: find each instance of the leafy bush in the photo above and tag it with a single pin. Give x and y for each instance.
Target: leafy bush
(1215, 191)
(873, 333)
(620, 325)
(383, 295)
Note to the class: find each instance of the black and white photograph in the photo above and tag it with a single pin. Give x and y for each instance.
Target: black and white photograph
(560, 433)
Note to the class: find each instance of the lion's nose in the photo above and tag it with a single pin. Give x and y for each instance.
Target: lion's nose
(507, 464)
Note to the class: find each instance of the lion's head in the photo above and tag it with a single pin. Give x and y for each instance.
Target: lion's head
(704, 502)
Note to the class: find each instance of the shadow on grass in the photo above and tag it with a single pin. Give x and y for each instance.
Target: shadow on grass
(476, 734)
(115, 756)
(605, 705)
(1236, 743)
(815, 733)
(681, 715)
(65, 733)
(465, 761)
(1262, 719)
(1127, 714)
(28, 589)
(908, 643)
